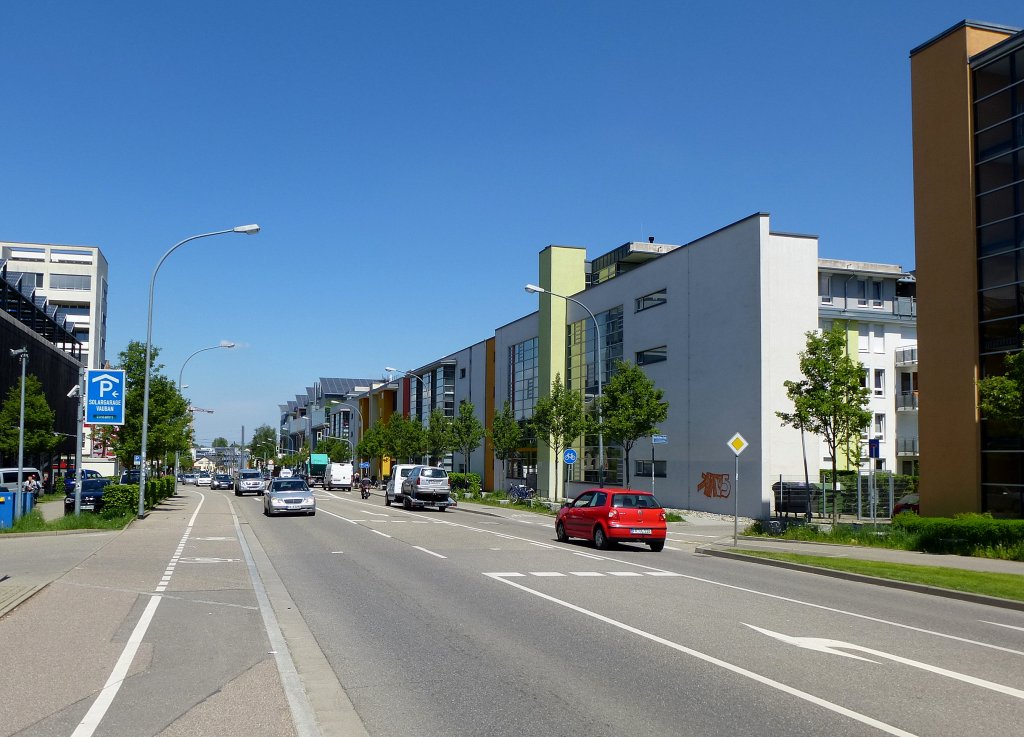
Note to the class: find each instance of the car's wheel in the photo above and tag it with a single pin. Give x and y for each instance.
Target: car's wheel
(238, 493)
(560, 533)
(312, 513)
(600, 538)
(387, 500)
(406, 503)
(266, 512)
(657, 545)
(441, 509)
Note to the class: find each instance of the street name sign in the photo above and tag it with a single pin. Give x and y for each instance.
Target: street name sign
(659, 439)
(104, 397)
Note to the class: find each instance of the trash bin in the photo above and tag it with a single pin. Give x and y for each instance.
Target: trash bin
(8, 503)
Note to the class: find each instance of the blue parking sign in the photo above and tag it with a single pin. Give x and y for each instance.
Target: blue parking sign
(104, 397)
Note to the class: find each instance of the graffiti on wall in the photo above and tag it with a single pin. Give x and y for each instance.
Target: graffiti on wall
(714, 485)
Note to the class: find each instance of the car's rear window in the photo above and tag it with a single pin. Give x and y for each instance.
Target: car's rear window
(250, 474)
(637, 501)
(434, 473)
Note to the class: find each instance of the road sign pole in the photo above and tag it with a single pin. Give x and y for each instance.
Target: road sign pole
(736, 503)
(78, 445)
(652, 467)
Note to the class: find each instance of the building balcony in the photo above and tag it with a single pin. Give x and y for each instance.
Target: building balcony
(906, 402)
(907, 447)
(906, 356)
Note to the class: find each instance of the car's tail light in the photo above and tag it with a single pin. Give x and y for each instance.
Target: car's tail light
(613, 514)
(661, 515)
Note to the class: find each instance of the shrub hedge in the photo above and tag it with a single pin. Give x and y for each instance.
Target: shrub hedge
(465, 482)
(121, 499)
(964, 534)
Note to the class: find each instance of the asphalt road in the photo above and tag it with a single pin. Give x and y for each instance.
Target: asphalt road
(209, 618)
(464, 624)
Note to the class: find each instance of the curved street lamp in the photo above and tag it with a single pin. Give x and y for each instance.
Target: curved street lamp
(245, 229)
(534, 289)
(222, 344)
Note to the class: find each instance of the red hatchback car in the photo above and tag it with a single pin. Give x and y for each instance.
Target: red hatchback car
(607, 516)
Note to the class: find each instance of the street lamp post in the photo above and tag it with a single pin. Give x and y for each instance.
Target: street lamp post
(246, 229)
(222, 344)
(22, 355)
(533, 288)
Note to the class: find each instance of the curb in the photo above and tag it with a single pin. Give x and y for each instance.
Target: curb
(873, 580)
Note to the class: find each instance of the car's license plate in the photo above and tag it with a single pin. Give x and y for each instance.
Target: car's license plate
(641, 531)
(87, 507)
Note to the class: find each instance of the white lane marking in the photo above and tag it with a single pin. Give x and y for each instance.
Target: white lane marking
(842, 710)
(592, 574)
(710, 582)
(667, 574)
(675, 550)
(549, 574)
(624, 573)
(378, 532)
(836, 647)
(93, 717)
(588, 555)
(344, 519)
(1000, 624)
(431, 552)
(693, 534)
(337, 552)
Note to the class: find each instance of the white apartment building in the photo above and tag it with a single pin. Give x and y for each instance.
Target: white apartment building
(877, 303)
(74, 280)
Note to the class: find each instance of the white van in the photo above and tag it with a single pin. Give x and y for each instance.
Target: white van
(399, 474)
(338, 475)
(9, 477)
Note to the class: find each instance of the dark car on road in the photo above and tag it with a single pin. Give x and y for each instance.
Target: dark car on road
(222, 481)
(91, 497)
(87, 473)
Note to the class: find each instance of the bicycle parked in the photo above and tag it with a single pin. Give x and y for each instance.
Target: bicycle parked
(520, 492)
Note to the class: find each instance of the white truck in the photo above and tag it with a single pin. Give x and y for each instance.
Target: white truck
(338, 476)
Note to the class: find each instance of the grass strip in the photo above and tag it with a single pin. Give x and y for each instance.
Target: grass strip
(1002, 585)
(34, 522)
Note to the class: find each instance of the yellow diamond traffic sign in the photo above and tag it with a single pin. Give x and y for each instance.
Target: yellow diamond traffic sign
(737, 444)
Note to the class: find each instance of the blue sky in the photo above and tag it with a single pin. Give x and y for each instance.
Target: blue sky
(408, 160)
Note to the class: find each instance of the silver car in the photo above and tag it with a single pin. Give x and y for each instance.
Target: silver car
(249, 480)
(288, 495)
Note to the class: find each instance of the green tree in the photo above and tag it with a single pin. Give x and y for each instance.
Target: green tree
(39, 418)
(440, 436)
(168, 410)
(467, 431)
(263, 443)
(337, 449)
(558, 420)
(631, 408)
(506, 435)
(218, 442)
(374, 442)
(404, 438)
(831, 398)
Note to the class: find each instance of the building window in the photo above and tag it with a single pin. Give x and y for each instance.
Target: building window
(875, 290)
(462, 373)
(524, 375)
(863, 337)
(581, 337)
(652, 355)
(825, 289)
(651, 300)
(878, 388)
(79, 282)
(643, 469)
(860, 292)
(879, 425)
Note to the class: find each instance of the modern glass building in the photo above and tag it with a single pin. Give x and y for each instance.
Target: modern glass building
(968, 124)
